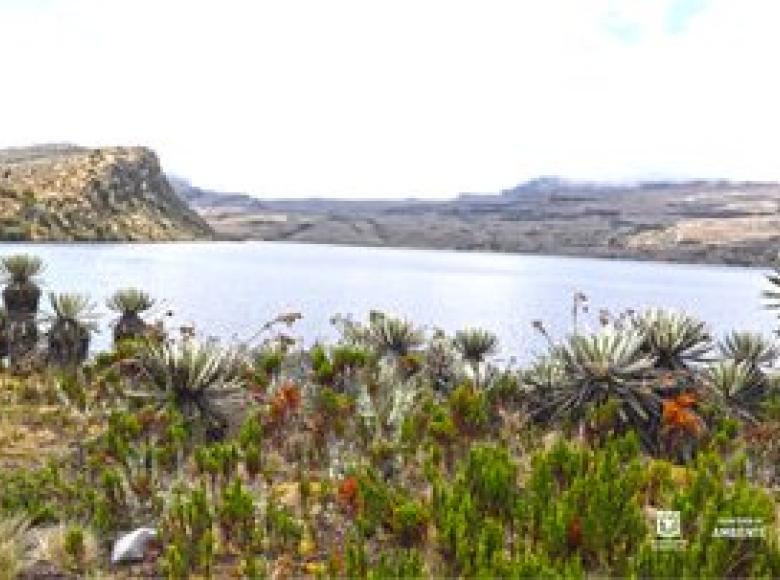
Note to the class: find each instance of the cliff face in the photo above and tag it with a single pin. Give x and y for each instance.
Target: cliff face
(72, 193)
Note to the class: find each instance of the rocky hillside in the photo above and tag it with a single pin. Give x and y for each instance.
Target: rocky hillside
(68, 193)
(711, 221)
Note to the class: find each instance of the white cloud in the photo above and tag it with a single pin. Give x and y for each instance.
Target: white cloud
(355, 98)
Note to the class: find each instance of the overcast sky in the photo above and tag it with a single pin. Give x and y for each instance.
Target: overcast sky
(401, 98)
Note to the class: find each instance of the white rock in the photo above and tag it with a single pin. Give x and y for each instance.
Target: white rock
(132, 546)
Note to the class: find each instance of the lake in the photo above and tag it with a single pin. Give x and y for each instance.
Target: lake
(229, 289)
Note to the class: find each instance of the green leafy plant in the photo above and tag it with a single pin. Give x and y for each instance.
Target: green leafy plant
(282, 527)
(75, 546)
(581, 505)
(250, 440)
(21, 297)
(441, 365)
(337, 367)
(738, 385)
(270, 361)
(474, 345)
(750, 348)
(20, 267)
(673, 339)
(129, 303)
(471, 511)
(593, 370)
(375, 502)
(708, 502)
(186, 530)
(468, 407)
(399, 563)
(199, 381)
(43, 493)
(490, 475)
(409, 522)
(73, 322)
(236, 514)
(394, 335)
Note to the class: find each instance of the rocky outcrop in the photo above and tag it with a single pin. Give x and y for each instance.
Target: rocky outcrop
(70, 193)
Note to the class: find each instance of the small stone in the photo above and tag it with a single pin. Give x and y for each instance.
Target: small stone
(131, 547)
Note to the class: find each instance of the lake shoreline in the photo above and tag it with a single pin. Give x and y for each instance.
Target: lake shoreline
(229, 290)
(638, 257)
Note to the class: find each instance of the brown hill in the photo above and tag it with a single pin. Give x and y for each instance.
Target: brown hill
(715, 221)
(68, 193)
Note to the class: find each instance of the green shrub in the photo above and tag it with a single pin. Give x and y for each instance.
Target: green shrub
(282, 528)
(468, 407)
(582, 505)
(398, 563)
(377, 502)
(236, 514)
(44, 494)
(75, 547)
(186, 530)
(490, 475)
(270, 362)
(705, 505)
(410, 522)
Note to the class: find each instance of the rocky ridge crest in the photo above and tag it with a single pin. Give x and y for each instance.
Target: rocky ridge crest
(69, 193)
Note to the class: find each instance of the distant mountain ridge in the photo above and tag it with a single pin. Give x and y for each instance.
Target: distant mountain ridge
(201, 198)
(695, 220)
(64, 192)
(209, 199)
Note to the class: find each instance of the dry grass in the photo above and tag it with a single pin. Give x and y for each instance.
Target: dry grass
(51, 547)
(711, 231)
(33, 427)
(13, 546)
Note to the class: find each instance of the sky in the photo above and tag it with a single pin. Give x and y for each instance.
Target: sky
(401, 98)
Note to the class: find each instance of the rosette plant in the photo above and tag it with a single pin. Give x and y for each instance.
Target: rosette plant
(4, 343)
(72, 324)
(202, 382)
(442, 366)
(741, 387)
(21, 294)
(394, 336)
(21, 297)
(674, 340)
(590, 371)
(545, 375)
(129, 303)
(474, 345)
(750, 348)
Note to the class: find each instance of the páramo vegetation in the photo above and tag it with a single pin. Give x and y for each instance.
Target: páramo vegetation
(392, 451)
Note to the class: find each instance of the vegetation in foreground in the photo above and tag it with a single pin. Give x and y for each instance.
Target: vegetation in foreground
(392, 452)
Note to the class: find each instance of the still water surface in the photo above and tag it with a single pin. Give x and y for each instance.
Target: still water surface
(229, 289)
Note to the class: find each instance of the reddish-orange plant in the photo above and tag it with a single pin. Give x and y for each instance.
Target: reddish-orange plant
(286, 401)
(349, 494)
(679, 416)
(574, 533)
